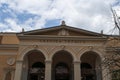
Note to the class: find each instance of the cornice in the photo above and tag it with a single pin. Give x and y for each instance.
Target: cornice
(113, 48)
(9, 46)
(62, 27)
(48, 37)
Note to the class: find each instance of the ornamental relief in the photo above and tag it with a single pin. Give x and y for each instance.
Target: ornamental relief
(95, 49)
(25, 49)
(113, 42)
(50, 50)
(63, 42)
(75, 49)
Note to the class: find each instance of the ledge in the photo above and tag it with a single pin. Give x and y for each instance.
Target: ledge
(39, 37)
(9, 46)
(117, 48)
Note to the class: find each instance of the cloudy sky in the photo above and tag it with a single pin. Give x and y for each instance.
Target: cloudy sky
(92, 15)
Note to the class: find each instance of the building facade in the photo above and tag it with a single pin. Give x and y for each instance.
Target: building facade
(56, 53)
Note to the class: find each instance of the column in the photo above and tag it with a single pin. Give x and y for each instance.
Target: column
(25, 69)
(5, 73)
(18, 71)
(77, 70)
(48, 70)
(12, 74)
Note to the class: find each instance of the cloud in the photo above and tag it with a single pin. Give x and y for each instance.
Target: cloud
(93, 15)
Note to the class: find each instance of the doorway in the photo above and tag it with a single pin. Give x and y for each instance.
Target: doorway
(61, 71)
(91, 66)
(37, 71)
(62, 67)
(34, 66)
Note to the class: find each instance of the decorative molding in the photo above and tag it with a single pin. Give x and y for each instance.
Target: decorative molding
(112, 49)
(63, 32)
(36, 46)
(28, 48)
(9, 46)
(90, 48)
(62, 42)
(11, 61)
(63, 47)
(48, 37)
(75, 49)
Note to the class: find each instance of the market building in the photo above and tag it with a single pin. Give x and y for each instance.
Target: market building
(56, 53)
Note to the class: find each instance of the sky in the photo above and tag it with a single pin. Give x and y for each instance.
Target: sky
(92, 15)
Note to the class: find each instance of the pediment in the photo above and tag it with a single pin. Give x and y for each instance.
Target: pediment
(62, 30)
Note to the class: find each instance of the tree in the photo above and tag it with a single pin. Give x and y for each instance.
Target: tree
(112, 58)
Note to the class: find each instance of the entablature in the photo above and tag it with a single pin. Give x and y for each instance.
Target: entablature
(41, 37)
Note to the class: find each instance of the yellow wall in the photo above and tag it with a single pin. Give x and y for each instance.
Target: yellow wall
(3, 64)
(9, 39)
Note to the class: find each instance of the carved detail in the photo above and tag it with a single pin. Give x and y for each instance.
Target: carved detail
(63, 32)
(63, 47)
(35, 46)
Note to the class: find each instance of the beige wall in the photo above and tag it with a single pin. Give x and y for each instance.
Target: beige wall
(9, 39)
(4, 65)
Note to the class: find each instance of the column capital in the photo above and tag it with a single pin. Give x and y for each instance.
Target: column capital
(75, 62)
(48, 61)
(19, 61)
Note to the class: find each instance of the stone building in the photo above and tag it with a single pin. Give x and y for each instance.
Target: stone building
(55, 53)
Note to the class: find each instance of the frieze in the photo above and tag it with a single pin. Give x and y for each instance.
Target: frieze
(62, 42)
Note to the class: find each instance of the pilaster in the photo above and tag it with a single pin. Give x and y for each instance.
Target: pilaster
(77, 70)
(48, 70)
(18, 71)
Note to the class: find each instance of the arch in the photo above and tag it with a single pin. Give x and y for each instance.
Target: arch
(37, 51)
(24, 52)
(33, 68)
(62, 65)
(93, 50)
(94, 60)
(67, 50)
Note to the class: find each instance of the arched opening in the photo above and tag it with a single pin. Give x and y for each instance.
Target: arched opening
(62, 71)
(37, 71)
(34, 66)
(38, 65)
(8, 76)
(91, 66)
(62, 68)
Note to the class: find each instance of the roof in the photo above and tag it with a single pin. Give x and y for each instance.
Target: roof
(62, 30)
